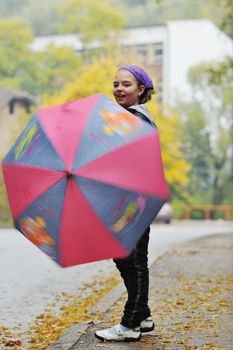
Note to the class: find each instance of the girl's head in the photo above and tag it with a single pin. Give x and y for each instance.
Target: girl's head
(132, 86)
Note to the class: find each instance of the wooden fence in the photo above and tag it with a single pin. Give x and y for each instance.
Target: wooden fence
(208, 211)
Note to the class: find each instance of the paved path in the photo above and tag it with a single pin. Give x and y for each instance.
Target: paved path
(191, 300)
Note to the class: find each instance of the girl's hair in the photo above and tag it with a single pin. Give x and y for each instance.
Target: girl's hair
(146, 96)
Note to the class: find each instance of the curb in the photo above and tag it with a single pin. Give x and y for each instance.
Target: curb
(70, 337)
(108, 300)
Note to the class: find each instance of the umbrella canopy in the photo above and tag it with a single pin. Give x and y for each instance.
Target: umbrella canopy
(84, 180)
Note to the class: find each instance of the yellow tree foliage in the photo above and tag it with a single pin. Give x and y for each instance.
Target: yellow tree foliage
(94, 79)
(170, 126)
(98, 78)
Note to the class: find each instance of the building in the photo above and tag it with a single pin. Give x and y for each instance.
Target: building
(168, 51)
(188, 44)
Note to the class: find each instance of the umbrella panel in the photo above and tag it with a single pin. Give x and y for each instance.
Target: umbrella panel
(125, 214)
(40, 221)
(83, 236)
(108, 127)
(64, 125)
(26, 183)
(34, 148)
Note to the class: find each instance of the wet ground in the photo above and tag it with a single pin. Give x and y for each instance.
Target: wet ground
(29, 280)
(191, 298)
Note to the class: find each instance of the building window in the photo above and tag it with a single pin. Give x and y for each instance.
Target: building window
(142, 52)
(158, 53)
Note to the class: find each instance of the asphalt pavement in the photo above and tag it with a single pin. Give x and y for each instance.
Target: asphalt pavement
(191, 298)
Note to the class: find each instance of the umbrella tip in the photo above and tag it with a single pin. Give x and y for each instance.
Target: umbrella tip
(68, 174)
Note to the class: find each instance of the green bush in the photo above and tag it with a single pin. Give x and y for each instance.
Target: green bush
(197, 214)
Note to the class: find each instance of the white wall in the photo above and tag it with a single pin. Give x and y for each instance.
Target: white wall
(189, 43)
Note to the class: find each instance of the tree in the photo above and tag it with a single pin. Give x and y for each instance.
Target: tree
(17, 63)
(196, 148)
(9, 7)
(92, 79)
(91, 20)
(212, 93)
(56, 67)
(45, 19)
(177, 168)
(42, 15)
(218, 11)
(38, 73)
(227, 20)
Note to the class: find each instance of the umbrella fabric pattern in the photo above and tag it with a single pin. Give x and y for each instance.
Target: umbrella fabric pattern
(84, 180)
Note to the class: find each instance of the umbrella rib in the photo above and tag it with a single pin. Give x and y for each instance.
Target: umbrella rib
(103, 168)
(125, 145)
(24, 188)
(126, 187)
(48, 139)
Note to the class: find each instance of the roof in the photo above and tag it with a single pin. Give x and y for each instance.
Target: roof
(143, 35)
(129, 36)
(9, 94)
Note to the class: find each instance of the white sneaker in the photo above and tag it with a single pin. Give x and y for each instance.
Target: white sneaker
(119, 333)
(147, 325)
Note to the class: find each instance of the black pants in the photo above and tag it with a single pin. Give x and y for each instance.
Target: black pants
(135, 273)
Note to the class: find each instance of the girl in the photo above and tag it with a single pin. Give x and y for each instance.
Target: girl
(132, 87)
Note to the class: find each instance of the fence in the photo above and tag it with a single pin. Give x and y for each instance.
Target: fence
(203, 211)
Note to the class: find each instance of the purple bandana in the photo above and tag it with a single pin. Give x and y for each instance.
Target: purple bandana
(140, 75)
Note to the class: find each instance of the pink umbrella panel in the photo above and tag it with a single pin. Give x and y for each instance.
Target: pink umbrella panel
(84, 180)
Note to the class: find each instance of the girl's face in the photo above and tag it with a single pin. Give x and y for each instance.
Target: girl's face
(126, 89)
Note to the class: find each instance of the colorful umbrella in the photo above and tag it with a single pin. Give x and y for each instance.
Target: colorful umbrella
(84, 180)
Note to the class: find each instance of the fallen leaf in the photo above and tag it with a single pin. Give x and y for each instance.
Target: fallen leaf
(13, 342)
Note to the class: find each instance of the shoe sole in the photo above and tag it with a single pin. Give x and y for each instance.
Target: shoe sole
(120, 340)
(148, 329)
